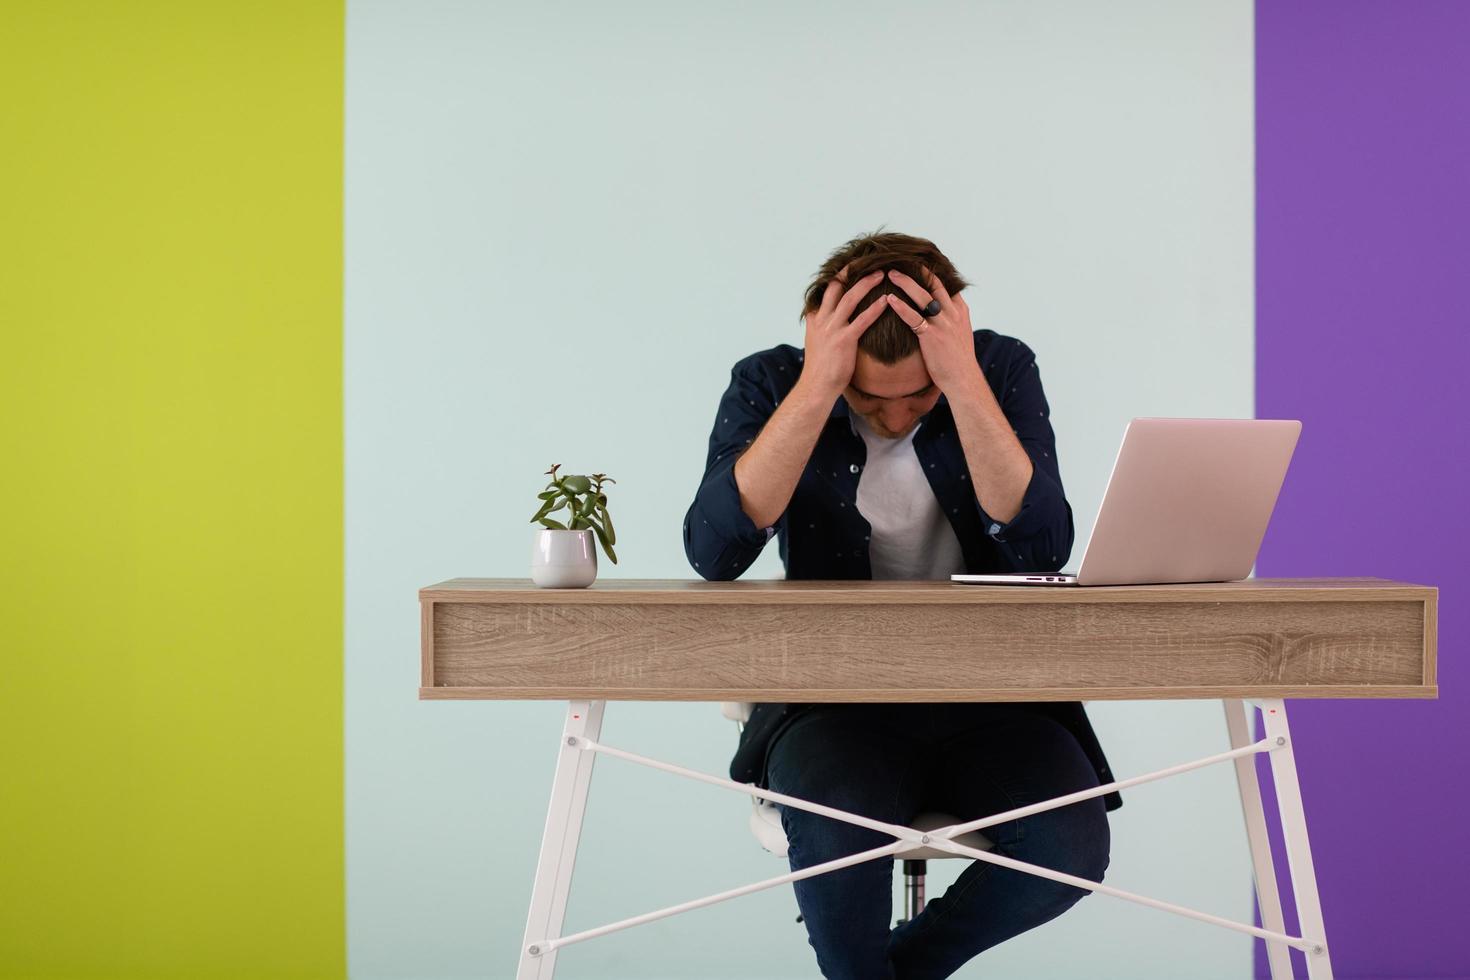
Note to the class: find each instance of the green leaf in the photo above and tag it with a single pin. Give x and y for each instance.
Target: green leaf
(612, 535)
(576, 484)
(588, 505)
(555, 525)
(546, 495)
(547, 506)
(606, 545)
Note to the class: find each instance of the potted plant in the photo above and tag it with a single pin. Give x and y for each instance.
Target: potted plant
(563, 556)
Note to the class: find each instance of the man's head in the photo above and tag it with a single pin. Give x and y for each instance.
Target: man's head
(890, 386)
(891, 397)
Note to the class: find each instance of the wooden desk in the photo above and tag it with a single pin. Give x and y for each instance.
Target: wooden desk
(1256, 640)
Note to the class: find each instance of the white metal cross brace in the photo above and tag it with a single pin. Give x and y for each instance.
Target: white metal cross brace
(580, 746)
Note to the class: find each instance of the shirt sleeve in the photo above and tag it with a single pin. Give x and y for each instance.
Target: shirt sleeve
(720, 539)
(1039, 537)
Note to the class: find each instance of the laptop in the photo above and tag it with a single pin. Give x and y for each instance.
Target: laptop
(1188, 501)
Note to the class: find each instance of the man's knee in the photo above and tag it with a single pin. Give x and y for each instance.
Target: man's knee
(1074, 840)
(1092, 841)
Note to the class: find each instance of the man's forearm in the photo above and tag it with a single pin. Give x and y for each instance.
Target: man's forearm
(768, 471)
(999, 467)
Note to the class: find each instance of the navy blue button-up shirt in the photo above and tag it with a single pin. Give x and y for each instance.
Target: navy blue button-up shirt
(821, 534)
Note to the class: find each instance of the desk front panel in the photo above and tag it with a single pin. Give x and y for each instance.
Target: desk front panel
(860, 641)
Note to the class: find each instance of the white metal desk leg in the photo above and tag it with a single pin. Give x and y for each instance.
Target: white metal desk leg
(559, 841)
(1294, 834)
(1237, 721)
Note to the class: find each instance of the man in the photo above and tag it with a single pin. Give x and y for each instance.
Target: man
(901, 443)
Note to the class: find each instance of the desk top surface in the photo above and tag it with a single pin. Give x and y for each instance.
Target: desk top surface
(783, 591)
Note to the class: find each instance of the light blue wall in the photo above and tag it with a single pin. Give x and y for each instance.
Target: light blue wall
(565, 222)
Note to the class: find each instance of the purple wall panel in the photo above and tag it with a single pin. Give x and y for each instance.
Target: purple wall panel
(1363, 333)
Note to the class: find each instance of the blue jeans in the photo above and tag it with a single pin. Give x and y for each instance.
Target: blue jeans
(892, 762)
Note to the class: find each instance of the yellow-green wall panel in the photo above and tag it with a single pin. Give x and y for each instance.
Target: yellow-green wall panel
(171, 538)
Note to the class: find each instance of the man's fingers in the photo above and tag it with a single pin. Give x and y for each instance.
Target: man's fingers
(916, 292)
(834, 288)
(859, 289)
(936, 286)
(905, 312)
(870, 313)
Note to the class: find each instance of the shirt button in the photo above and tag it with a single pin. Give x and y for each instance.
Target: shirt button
(853, 468)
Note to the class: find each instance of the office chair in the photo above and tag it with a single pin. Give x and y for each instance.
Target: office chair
(765, 824)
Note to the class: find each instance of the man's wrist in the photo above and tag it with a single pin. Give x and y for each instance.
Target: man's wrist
(971, 388)
(808, 391)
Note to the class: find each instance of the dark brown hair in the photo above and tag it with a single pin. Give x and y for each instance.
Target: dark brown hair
(889, 340)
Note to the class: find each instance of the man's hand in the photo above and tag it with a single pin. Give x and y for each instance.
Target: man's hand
(831, 341)
(946, 340)
(1000, 468)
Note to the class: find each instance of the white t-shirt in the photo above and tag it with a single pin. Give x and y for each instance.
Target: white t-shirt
(911, 537)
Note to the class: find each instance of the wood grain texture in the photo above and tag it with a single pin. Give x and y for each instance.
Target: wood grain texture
(1431, 638)
(776, 640)
(426, 643)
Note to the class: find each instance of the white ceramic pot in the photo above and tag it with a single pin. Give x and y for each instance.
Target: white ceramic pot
(563, 559)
